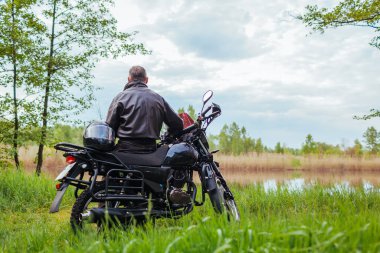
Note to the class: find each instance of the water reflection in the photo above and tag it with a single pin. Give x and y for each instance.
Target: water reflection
(295, 178)
(299, 184)
(270, 185)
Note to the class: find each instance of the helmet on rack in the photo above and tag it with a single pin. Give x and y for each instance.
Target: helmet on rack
(98, 135)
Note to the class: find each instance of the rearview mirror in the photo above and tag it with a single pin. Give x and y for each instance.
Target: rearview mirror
(207, 96)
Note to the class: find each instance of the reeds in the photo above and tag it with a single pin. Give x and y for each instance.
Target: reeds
(250, 168)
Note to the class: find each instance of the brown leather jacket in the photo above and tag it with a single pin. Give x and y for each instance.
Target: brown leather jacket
(138, 113)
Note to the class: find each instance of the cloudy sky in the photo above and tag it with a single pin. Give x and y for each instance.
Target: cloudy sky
(266, 72)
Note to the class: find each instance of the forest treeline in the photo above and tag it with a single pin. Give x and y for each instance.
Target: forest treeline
(235, 140)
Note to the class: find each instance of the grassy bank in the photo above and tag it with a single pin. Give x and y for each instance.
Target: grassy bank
(317, 219)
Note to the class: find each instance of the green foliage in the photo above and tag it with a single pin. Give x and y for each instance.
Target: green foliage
(259, 147)
(296, 163)
(19, 47)
(278, 148)
(361, 13)
(66, 133)
(320, 148)
(212, 141)
(372, 139)
(190, 110)
(373, 114)
(364, 13)
(309, 146)
(50, 58)
(234, 140)
(20, 192)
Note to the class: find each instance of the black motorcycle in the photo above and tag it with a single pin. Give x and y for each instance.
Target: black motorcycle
(128, 187)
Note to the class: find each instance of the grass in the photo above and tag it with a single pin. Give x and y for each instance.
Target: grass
(316, 219)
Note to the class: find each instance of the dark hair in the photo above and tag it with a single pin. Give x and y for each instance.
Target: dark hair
(137, 73)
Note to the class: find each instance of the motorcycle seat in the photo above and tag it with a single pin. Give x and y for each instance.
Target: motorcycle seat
(150, 159)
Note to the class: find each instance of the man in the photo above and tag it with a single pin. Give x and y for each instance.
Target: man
(136, 115)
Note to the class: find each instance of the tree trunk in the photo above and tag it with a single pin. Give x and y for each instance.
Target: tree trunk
(15, 105)
(47, 93)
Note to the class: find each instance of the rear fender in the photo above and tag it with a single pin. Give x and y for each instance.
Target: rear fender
(73, 173)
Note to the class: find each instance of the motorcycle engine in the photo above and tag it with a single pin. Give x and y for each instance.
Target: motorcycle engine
(179, 178)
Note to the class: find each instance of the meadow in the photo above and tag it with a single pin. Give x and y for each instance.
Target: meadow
(318, 218)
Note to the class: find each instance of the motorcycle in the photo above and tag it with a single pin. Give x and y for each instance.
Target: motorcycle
(126, 187)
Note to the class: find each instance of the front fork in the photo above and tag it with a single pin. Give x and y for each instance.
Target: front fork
(208, 175)
(222, 180)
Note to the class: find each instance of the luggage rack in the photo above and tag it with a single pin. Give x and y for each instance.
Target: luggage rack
(124, 184)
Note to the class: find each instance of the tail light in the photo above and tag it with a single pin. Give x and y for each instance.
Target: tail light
(70, 159)
(58, 186)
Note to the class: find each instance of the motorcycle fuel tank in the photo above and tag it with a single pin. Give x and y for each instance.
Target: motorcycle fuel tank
(181, 154)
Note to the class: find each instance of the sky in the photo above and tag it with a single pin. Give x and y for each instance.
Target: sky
(268, 73)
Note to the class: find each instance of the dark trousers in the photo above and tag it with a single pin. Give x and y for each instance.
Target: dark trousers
(138, 146)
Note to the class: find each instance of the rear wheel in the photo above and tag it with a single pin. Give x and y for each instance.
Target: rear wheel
(84, 203)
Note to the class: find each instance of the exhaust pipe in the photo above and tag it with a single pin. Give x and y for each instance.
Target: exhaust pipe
(88, 216)
(121, 214)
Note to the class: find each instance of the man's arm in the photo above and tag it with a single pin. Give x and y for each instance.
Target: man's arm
(114, 112)
(172, 120)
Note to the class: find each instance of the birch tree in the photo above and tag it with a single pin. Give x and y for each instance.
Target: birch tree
(80, 34)
(19, 44)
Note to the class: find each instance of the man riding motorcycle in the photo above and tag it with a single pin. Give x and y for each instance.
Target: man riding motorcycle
(136, 115)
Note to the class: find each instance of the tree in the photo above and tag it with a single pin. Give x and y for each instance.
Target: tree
(235, 139)
(248, 143)
(356, 150)
(259, 147)
(373, 113)
(309, 146)
(363, 13)
(278, 149)
(371, 138)
(81, 32)
(19, 45)
(224, 142)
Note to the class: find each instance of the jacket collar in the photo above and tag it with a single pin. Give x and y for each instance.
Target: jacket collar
(136, 83)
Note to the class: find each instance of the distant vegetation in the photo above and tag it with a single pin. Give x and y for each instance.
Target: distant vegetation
(231, 140)
(235, 140)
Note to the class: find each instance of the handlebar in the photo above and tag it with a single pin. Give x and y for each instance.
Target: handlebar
(206, 111)
(189, 129)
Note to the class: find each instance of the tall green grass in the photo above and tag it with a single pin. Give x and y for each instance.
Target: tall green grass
(316, 219)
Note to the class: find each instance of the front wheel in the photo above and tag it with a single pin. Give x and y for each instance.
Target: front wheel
(223, 202)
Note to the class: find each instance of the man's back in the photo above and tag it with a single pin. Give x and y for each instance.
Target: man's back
(138, 113)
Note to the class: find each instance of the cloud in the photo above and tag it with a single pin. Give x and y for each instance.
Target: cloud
(266, 73)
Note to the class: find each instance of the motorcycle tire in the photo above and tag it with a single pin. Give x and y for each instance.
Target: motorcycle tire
(222, 203)
(216, 197)
(82, 204)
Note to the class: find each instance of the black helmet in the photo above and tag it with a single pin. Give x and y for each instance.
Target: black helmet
(99, 135)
